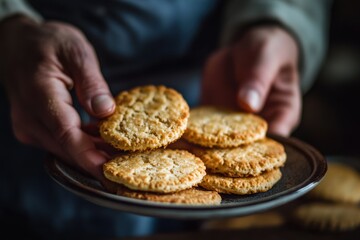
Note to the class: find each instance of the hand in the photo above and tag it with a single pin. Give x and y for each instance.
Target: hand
(40, 64)
(258, 74)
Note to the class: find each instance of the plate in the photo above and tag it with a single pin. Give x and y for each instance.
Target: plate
(303, 170)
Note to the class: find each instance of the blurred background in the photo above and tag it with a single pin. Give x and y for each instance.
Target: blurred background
(331, 116)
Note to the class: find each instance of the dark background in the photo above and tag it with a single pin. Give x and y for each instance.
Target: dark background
(331, 113)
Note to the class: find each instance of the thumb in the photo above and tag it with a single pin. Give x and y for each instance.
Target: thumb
(255, 75)
(91, 88)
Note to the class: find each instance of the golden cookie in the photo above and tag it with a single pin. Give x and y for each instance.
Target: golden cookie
(161, 170)
(217, 127)
(146, 117)
(340, 184)
(330, 217)
(241, 186)
(259, 220)
(193, 196)
(246, 160)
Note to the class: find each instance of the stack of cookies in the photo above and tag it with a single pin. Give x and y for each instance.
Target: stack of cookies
(238, 156)
(146, 120)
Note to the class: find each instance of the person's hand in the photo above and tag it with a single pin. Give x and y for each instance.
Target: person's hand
(258, 74)
(39, 65)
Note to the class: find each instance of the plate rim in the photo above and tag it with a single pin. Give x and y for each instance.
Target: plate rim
(318, 166)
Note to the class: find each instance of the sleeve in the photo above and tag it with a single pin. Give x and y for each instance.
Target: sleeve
(306, 20)
(11, 7)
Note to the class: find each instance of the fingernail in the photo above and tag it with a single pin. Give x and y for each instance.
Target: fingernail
(251, 97)
(102, 104)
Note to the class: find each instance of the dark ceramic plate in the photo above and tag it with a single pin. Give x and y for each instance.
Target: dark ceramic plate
(304, 169)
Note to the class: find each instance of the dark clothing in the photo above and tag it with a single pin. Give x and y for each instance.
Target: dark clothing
(152, 40)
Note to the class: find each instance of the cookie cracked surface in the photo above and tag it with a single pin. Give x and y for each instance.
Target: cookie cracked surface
(245, 160)
(218, 127)
(146, 117)
(160, 170)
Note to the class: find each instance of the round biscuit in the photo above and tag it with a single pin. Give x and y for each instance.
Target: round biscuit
(192, 196)
(257, 220)
(218, 127)
(160, 170)
(146, 117)
(341, 184)
(241, 186)
(246, 160)
(327, 217)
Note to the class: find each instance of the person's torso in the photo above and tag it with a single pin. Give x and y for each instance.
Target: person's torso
(135, 35)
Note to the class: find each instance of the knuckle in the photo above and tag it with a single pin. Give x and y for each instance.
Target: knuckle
(64, 135)
(77, 52)
(91, 87)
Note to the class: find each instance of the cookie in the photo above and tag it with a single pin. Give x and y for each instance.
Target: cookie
(340, 184)
(146, 117)
(259, 220)
(192, 196)
(219, 127)
(328, 217)
(245, 160)
(241, 186)
(160, 170)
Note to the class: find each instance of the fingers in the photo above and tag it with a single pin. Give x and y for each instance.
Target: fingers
(33, 133)
(283, 108)
(218, 87)
(81, 63)
(79, 146)
(254, 74)
(62, 123)
(54, 58)
(92, 90)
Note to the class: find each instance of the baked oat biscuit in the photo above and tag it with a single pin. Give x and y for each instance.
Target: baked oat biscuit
(241, 186)
(245, 160)
(259, 220)
(146, 117)
(192, 196)
(160, 170)
(328, 217)
(218, 127)
(340, 184)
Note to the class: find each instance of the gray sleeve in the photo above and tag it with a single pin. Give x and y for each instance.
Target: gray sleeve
(11, 7)
(306, 20)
